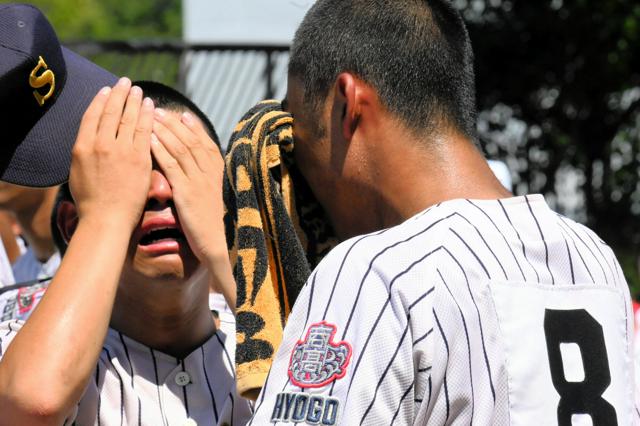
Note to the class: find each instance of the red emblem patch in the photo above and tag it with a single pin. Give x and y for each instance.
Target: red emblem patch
(317, 361)
(27, 297)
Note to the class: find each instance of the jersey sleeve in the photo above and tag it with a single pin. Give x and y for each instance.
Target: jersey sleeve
(349, 349)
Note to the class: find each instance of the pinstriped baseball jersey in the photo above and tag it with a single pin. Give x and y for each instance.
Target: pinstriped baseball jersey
(136, 385)
(495, 312)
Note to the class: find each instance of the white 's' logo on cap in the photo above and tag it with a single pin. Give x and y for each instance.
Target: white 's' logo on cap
(38, 81)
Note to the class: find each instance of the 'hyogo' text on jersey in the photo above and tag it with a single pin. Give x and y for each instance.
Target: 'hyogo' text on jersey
(486, 312)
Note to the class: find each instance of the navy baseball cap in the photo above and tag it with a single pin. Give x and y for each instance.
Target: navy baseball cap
(44, 91)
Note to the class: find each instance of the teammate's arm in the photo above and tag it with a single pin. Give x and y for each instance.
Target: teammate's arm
(194, 166)
(46, 368)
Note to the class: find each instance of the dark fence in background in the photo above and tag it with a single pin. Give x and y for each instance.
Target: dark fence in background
(223, 80)
(161, 60)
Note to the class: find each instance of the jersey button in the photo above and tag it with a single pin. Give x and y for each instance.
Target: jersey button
(183, 378)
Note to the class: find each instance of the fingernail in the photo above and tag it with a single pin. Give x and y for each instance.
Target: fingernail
(105, 90)
(147, 103)
(124, 81)
(136, 91)
(187, 118)
(160, 112)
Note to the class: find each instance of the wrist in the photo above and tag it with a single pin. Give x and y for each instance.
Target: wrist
(219, 268)
(109, 223)
(112, 218)
(213, 242)
(216, 259)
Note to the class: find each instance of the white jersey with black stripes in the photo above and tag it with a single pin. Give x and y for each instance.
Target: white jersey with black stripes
(136, 385)
(493, 312)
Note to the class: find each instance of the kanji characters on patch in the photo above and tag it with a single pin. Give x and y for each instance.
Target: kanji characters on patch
(317, 361)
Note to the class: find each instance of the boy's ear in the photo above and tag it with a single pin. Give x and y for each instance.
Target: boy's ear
(347, 94)
(67, 219)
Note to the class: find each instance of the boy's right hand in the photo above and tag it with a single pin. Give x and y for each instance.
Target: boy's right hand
(111, 160)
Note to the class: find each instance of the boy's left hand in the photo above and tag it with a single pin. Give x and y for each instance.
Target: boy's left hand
(194, 167)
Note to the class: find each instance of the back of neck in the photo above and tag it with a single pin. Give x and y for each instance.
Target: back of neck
(447, 168)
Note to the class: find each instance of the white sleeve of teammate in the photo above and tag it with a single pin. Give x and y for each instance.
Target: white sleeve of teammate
(6, 274)
(348, 354)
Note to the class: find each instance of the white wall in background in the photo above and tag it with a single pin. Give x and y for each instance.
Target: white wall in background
(242, 21)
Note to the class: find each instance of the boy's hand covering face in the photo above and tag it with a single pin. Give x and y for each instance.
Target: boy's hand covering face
(111, 161)
(192, 163)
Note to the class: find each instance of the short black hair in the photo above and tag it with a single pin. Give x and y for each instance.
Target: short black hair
(416, 54)
(170, 99)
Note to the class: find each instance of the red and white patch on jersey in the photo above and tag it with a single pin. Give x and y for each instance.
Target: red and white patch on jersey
(317, 360)
(28, 296)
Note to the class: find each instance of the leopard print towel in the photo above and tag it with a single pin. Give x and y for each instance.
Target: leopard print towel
(276, 233)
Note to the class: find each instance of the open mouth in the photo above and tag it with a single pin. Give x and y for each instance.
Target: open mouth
(160, 235)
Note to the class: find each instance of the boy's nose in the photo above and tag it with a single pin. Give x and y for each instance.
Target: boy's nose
(159, 190)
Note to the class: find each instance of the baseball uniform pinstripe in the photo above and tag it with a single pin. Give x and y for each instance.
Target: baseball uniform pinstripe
(136, 385)
(471, 312)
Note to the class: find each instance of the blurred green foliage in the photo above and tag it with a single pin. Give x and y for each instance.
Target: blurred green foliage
(558, 86)
(629, 262)
(162, 67)
(113, 19)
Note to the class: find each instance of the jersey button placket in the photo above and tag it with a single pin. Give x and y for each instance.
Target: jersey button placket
(176, 385)
(182, 378)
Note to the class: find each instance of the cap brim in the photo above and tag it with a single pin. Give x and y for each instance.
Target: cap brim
(43, 158)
